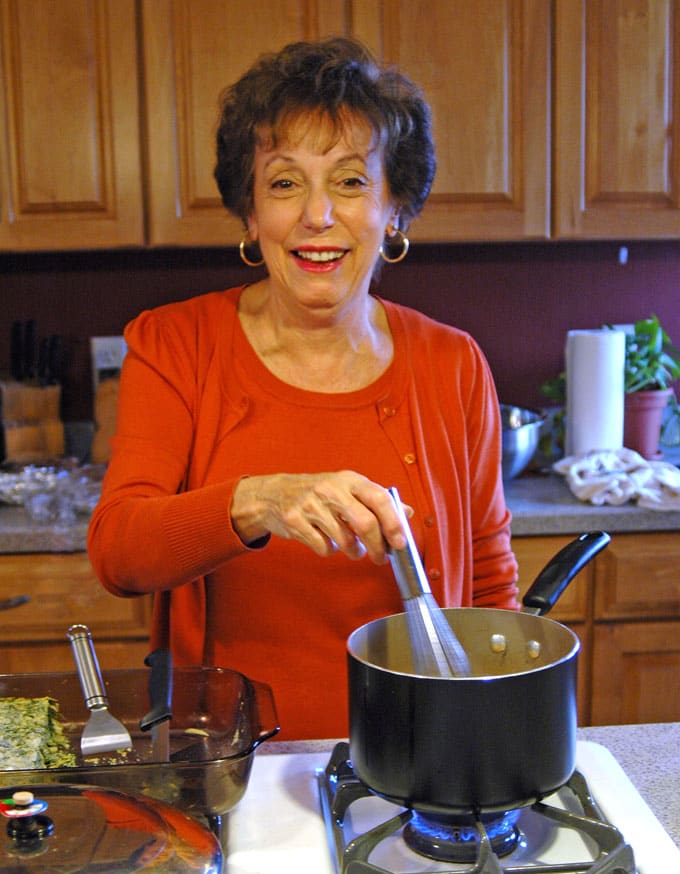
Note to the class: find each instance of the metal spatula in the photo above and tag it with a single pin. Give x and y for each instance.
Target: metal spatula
(436, 650)
(103, 733)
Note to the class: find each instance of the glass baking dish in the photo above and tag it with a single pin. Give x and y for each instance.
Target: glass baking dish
(219, 718)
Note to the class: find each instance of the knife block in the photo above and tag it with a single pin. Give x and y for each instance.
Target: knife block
(32, 429)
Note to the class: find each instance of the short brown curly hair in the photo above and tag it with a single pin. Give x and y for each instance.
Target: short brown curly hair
(332, 77)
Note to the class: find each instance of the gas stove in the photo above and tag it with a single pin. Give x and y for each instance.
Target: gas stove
(279, 827)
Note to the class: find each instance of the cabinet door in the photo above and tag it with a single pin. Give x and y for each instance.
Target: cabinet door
(485, 68)
(638, 577)
(63, 590)
(193, 49)
(636, 648)
(636, 666)
(69, 131)
(617, 126)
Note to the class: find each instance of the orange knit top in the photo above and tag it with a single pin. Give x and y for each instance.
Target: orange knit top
(198, 410)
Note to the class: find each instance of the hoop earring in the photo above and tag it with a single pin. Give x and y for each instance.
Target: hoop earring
(403, 239)
(242, 252)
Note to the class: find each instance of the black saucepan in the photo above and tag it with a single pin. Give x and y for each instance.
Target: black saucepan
(497, 740)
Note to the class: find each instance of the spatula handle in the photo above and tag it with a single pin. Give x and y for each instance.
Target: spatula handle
(87, 666)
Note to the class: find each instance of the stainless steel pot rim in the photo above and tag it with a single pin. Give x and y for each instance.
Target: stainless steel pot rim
(545, 621)
(478, 678)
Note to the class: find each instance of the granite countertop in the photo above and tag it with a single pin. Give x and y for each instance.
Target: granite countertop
(20, 533)
(542, 504)
(649, 754)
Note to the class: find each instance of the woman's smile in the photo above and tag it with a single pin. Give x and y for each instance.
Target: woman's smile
(318, 260)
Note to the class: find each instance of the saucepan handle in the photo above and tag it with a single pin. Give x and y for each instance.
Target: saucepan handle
(561, 569)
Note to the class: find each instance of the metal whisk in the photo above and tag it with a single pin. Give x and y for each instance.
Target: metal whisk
(437, 652)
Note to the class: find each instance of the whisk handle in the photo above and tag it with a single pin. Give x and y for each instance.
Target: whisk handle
(406, 564)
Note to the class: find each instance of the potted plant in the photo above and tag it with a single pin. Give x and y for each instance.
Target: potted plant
(652, 364)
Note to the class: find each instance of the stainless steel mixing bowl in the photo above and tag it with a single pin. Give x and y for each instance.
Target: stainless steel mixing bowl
(521, 432)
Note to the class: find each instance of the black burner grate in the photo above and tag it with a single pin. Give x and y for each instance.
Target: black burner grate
(339, 788)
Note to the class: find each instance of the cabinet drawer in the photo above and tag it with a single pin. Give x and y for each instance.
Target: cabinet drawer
(56, 656)
(635, 673)
(639, 577)
(64, 590)
(533, 553)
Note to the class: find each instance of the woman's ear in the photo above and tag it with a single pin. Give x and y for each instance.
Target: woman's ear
(393, 225)
(251, 227)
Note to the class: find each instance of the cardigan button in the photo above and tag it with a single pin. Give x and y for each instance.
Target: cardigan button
(434, 574)
(410, 458)
(389, 411)
(429, 521)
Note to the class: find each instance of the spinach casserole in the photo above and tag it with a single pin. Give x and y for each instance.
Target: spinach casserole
(32, 735)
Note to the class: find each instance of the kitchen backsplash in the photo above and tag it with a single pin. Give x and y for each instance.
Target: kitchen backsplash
(517, 299)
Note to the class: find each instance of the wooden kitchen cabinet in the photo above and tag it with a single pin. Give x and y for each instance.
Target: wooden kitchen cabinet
(63, 591)
(617, 119)
(550, 119)
(636, 643)
(625, 608)
(70, 161)
(484, 68)
(193, 49)
(636, 668)
(605, 125)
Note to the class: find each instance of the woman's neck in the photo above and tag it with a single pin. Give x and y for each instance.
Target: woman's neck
(333, 352)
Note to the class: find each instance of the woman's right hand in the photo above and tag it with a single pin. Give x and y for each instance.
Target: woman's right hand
(343, 510)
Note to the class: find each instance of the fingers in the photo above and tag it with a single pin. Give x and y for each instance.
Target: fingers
(370, 515)
(328, 512)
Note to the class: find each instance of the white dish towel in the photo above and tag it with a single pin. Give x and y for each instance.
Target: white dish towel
(621, 475)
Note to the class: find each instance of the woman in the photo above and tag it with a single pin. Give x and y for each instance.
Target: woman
(260, 427)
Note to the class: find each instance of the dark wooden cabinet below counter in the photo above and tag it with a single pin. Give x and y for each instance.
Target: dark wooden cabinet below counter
(63, 590)
(625, 608)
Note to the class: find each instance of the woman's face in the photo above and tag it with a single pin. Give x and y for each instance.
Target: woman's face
(321, 207)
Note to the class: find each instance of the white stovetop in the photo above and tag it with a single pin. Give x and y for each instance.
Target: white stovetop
(278, 829)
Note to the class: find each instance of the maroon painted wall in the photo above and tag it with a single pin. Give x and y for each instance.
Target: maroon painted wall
(517, 300)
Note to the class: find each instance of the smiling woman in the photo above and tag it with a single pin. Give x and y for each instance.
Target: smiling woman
(260, 428)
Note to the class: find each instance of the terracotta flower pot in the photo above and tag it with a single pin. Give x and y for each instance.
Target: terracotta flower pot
(643, 413)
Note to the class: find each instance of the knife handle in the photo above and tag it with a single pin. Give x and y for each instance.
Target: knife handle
(54, 359)
(43, 362)
(30, 339)
(88, 666)
(17, 351)
(160, 688)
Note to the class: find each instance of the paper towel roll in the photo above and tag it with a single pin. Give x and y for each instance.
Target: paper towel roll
(594, 415)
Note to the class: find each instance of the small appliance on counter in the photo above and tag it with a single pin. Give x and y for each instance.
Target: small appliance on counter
(107, 354)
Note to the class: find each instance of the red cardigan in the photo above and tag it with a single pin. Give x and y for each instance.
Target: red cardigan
(197, 410)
